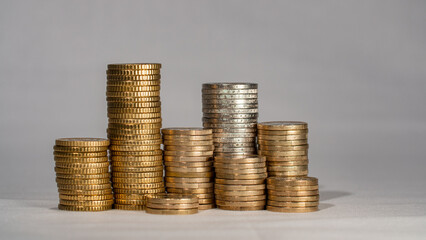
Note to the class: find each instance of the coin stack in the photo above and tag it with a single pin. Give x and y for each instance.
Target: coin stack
(82, 174)
(188, 157)
(230, 109)
(285, 145)
(292, 194)
(240, 182)
(172, 204)
(134, 111)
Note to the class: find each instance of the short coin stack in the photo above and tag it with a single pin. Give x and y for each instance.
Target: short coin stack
(188, 157)
(285, 145)
(292, 194)
(134, 111)
(82, 174)
(231, 110)
(172, 204)
(240, 182)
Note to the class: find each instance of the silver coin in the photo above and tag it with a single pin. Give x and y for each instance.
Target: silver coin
(237, 135)
(234, 96)
(229, 85)
(235, 149)
(230, 115)
(231, 111)
(239, 154)
(230, 101)
(234, 130)
(229, 106)
(227, 125)
(229, 120)
(233, 140)
(236, 145)
(228, 91)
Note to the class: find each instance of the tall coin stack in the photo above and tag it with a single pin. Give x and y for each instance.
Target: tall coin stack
(188, 157)
(230, 109)
(292, 194)
(240, 182)
(82, 174)
(285, 145)
(134, 112)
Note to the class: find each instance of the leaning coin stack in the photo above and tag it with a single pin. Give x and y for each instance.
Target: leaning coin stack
(240, 182)
(82, 174)
(172, 204)
(134, 111)
(292, 194)
(188, 157)
(285, 145)
(230, 109)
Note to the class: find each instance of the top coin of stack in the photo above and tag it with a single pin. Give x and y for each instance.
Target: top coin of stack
(82, 174)
(188, 158)
(230, 109)
(134, 111)
(285, 145)
(172, 204)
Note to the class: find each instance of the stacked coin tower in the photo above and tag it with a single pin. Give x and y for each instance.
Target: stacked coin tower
(172, 204)
(188, 157)
(292, 194)
(285, 145)
(134, 111)
(240, 182)
(82, 174)
(230, 109)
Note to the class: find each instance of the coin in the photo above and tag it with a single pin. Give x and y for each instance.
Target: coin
(230, 96)
(132, 88)
(137, 153)
(188, 154)
(139, 191)
(298, 181)
(190, 169)
(137, 180)
(287, 168)
(232, 135)
(86, 203)
(113, 78)
(150, 158)
(84, 187)
(233, 120)
(139, 110)
(80, 159)
(171, 212)
(82, 142)
(189, 185)
(78, 192)
(229, 101)
(85, 208)
(230, 115)
(241, 198)
(130, 201)
(188, 164)
(134, 148)
(129, 207)
(79, 149)
(292, 204)
(186, 131)
(137, 169)
(134, 126)
(187, 180)
(80, 154)
(82, 181)
(188, 148)
(188, 143)
(241, 204)
(291, 209)
(134, 196)
(241, 176)
(133, 94)
(236, 208)
(283, 187)
(138, 174)
(86, 197)
(240, 171)
(225, 159)
(239, 193)
(83, 176)
(138, 185)
(283, 143)
(229, 91)
(229, 111)
(137, 164)
(282, 137)
(234, 140)
(293, 193)
(294, 199)
(235, 149)
(173, 199)
(190, 174)
(234, 130)
(187, 159)
(229, 126)
(288, 173)
(206, 206)
(187, 137)
(239, 182)
(138, 115)
(230, 85)
(280, 132)
(133, 99)
(81, 170)
(82, 165)
(239, 187)
(135, 66)
(134, 83)
(284, 148)
(190, 190)
(172, 206)
(288, 163)
(240, 165)
(132, 72)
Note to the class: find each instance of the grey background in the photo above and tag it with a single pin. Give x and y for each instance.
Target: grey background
(354, 70)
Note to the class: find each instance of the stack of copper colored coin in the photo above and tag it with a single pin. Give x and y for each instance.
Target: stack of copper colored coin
(188, 159)
(172, 204)
(240, 182)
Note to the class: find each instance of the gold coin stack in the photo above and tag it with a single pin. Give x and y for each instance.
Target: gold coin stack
(82, 174)
(172, 204)
(240, 182)
(292, 194)
(285, 145)
(134, 112)
(188, 157)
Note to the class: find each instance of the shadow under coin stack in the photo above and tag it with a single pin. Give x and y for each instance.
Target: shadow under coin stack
(240, 182)
(134, 112)
(231, 110)
(188, 157)
(82, 174)
(292, 194)
(172, 204)
(285, 145)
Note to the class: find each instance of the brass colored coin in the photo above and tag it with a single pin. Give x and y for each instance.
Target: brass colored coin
(129, 207)
(84, 187)
(79, 149)
(189, 148)
(132, 72)
(137, 169)
(132, 196)
(239, 182)
(139, 191)
(137, 174)
(291, 210)
(235, 208)
(241, 198)
(114, 78)
(135, 121)
(134, 115)
(134, 110)
(86, 203)
(230, 85)
(279, 187)
(135, 148)
(240, 171)
(80, 154)
(82, 165)
(239, 187)
(287, 168)
(137, 164)
(190, 185)
(234, 149)
(283, 143)
(134, 83)
(133, 126)
(206, 201)
(82, 142)
(188, 143)
(240, 204)
(80, 159)
(137, 153)
(297, 181)
(190, 190)
(82, 181)
(284, 148)
(279, 132)
(133, 105)
(81, 170)
(133, 99)
(171, 212)
(117, 131)
(130, 202)
(134, 66)
(189, 169)
(86, 197)
(186, 131)
(239, 193)
(132, 88)
(238, 161)
(83, 176)
(137, 180)
(283, 153)
(133, 94)
(240, 165)
(294, 199)
(206, 206)
(138, 185)
(188, 137)
(187, 159)
(172, 206)
(173, 198)
(204, 195)
(288, 174)
(187, 180)
(282, 125)
(85, 209)
(190, 174)
(137, 158)
(282, 138)
(288, 163)
(288, 158)
(242, 176)
(292, 204)
(245, 159)
(135, 137)
(189, 164)
(293, 193)
(189, 154)
(77, 192)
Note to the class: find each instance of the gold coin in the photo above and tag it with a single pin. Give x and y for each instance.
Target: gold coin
(288, 163)
(294, 199)
(85, 192)
(132, 72)
(137, 158)
(80, 159)
(206, 206)
(189, 169)
(84, 187)
(189, 164)
(137, 153)
(190, 174)
(281, 132)
(239, 182)
(239, 187)
(133, 105)
(173, 198)
(135, 137)
(82, 142)
(287, 168)
(86, 197)
(129, 207)
(137, 169)
(82, 165)
(86, 203)
(291, 210)
(134, 110)
(137, 180)
(79, 149)
(206, 201)
(85, 208)
(292, 204)
(242, 176)
(186, 131)
(240, 171)
(282, 125)
(139, 191)
(81, 170)
(172, 206)
(190, 185)
(137, 164)
(283, 143)
(171, 212)
(188, 137)
(188, 143)
(135, 148)
(134, 126)
(188, 148)
(190, 190)
(288, 158)
(240, 165)
(83, 176)
(240, 204)
(189, 154)
(241, 198)
(82, 181)
(239, 193)
(187, 180)
(282, 137)
(113, 78)
(279, 187)
(132, 88)
(80, 154)
(138, 185)
(288, 174)
(298, 181)
(125, 66)
(132, 196)
(130, 202)
(137, 175)
(134, 115)
(139, 121)
(236, 208)
(187, 159)
(243, 159)
(204, 195)
(284, 148)
(293, 193)
(142, 99)
(134, 83)
(133, 94)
